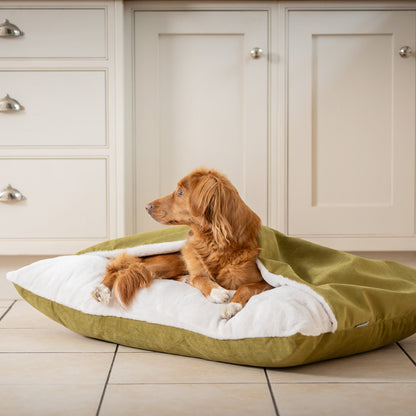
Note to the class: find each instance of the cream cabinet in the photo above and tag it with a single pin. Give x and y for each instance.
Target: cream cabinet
(59, 149)
(200, 96)
(351, 127)
(308, 107)
(317, 133)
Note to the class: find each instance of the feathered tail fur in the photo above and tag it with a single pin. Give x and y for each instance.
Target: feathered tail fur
(127, 274)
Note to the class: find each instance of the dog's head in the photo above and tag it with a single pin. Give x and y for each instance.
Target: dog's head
(207, 199)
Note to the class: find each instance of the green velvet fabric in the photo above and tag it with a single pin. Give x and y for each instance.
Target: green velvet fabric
(374, 303)
(359, 290)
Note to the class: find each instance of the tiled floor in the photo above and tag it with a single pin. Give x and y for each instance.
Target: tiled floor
(46, 369)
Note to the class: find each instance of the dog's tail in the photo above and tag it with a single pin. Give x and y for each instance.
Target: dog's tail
(129, 274)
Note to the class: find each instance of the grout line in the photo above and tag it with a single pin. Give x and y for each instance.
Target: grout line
(407, 354)
(7, 310)
(271, 392)
(106, 381)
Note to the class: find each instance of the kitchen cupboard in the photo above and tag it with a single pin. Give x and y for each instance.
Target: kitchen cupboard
(60, 187)
(322, 144)
(351, 126)
(308, 107)
(200, 86)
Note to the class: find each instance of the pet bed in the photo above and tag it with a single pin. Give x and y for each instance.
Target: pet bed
(325, 303)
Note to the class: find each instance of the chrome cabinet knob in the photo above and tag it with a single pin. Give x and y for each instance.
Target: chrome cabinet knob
(9, 105)
(405, 51)
(9, 30)
(11, 194)
(256, 53)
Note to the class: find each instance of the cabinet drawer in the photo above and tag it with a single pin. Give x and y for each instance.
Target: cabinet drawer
(64, 198)
(61, 108)
(55, 33)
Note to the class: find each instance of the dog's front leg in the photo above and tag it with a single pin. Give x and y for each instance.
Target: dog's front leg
(200, 277)
(242, 296)
(210, 289)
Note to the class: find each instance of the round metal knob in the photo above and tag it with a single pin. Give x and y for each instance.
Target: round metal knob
(405, 51)
(256, 53)
(11, 194)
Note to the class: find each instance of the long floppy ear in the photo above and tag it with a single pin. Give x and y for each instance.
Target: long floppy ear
(209, 201)
(244, 223)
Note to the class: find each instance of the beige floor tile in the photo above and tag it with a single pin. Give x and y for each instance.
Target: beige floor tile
(49, 340)
(409, 340)
(411, 350)
(50, 400)
(54, 368)
(188, 400)
(409, 345)
(167, 368)
(2, 311)
(4, 307)
(5, 303)
(23, 315)
(386, 364)
(381, 399)
(7, 290)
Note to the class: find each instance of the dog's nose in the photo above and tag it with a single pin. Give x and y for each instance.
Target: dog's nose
(149, 208)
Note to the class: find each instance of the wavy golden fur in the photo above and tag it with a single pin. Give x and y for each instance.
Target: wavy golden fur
(219, 254)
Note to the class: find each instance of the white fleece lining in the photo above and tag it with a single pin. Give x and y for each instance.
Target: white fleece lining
(142, 251)
(289, 308)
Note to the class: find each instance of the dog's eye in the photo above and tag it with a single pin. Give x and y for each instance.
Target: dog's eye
(179, 192)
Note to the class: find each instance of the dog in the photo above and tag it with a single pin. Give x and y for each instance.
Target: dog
(218, 256)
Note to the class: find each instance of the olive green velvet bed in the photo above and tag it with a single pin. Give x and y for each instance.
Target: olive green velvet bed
(325, 303)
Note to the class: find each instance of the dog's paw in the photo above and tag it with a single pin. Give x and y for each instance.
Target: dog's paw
(229, 310)
(102, 294)
(219, 295)
(185, 279)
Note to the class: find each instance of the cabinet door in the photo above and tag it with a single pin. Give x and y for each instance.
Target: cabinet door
(351, 123)
(200, 99)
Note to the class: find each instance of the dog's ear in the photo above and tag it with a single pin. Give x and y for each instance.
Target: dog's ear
(209, 202)
(217, 202)
(244, 224)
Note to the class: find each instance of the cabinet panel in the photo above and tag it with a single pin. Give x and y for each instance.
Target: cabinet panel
(352, 118)
(192, 132)
(55, 33)
(65, 199)
(61, 108)
(200, 100)
(351, 123)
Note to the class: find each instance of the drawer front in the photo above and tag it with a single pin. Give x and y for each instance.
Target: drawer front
(64, 199)
(55, 33)
(61, 108)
